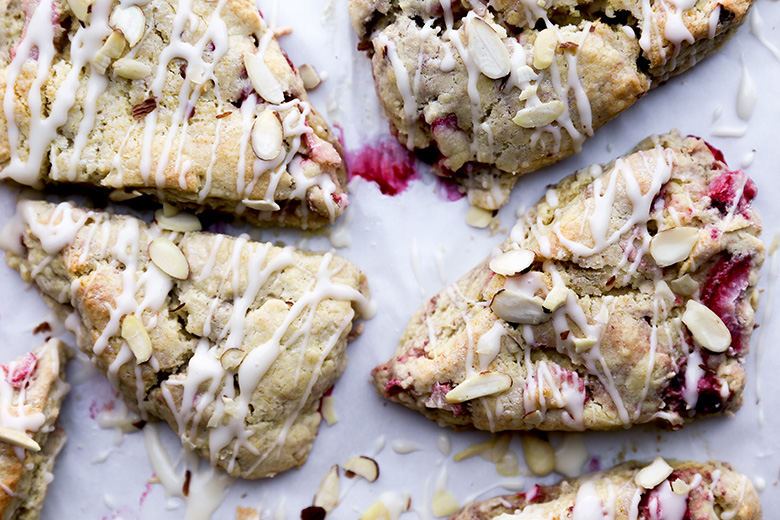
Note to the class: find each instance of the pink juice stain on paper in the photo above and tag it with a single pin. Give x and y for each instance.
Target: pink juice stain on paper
(388, 164)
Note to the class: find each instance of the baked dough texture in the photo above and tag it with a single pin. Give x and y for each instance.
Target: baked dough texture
(234, 354)
(715, 491)
(32, 390)
(599, 327)
(157, 99)
(492, 90)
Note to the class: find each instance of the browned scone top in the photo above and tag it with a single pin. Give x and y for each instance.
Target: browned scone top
(669, 490)
(230, 341)
(32, 388)
(492, 90)
(191, 102)
(625, 296)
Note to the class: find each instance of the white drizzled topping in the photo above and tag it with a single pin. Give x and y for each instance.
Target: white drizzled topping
(747, 96)
(757, 28)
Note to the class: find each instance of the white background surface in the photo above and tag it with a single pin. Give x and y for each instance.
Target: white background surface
(384, 233)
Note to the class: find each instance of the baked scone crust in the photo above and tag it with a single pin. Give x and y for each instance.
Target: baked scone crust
(285, 316)
(617, 349)
(183, 130)
(716, 489)
(432, 83)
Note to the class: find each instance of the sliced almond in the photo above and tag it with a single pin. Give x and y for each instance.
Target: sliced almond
(652, 475)
(261, 205)
(329, 410)
(511, 263)
(113, 48)
(539, 455)
(232, 358)
(327, 496)
(444, 503)
(168, 257)
(122, 195)
(80, 8)
(673, 245)
(528, 92)
(584, 344)
(131, 21)
(680, 487)
(663, 291)
(685, 285)
(707, 328)
(362, 467)
(479, 385)
(169, 210)
(311, 79)
(181, 222)
(518, 308)
(478, 217)
(487, 50)
(267, 136)
(262, 79)
(17, 438)
(539, 115)
(134, 333)
(475, 449)
(378, 511)
(509, 465)
(129, 68)
(544, 48)
(555, 298)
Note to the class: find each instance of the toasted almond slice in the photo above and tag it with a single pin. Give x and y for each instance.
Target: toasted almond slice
(528, 92)
(539, 115)
(475, 449)
(267, 136)
(539, 455)
(311, 79)
(80, 8)
(673, 245)
(327, 496)
(181, 222)
(113, 48)
(663, 291)
(515, 307)
(362, 467)
(122, 195)
(134, 333)
(232, 358)
(129, 68)
(17, 438)
(653, 474)
(555, 298)
(680, 487)
(478, 217)
(329, 410)
(685, 285)
(131, 21)
(479, 385)
(169, 210)
(168, 257)
(544, 48)
(487, 50)
(444, 503)
(584, 344)
(511, 263)
(261, 205)
(262, 79)
(707, 328)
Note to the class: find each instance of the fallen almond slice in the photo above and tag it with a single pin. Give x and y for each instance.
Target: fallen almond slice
(539, 455)
(267, 136)
(378, 511)
(180, 222)
(444, 503)
(544, 48)
(539, 115)
(652, 475)
(131, 21)
(329, 410)
(17, 438)
(129, 68)
(134, 333)
(362, 467)
(168, 257)
(113, 48)
(479, 385)
(475, 449)
(232, 358)
(487, 50)
(555, 298)
(262, 79)
(706, 327)
(478, 217)
(80, 8)
(327, 496)
(311, 79)
(518, 308)
(673, 245)
(509, 465)
(514, 262)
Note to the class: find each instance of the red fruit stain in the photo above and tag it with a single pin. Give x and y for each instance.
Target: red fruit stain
(448, 190)
(724, 288)
(17, 373)
(725, 188)
(388, 164)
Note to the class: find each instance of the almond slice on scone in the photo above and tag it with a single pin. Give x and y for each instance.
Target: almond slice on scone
(32, 388)
(638, 305)
(685, 490)
(234, 352)
(140, 100)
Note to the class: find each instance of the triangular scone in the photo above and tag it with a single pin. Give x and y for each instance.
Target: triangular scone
(669, 490)
(574, 324)
(492, 90)
(232, 342)
(189, 101)
(31, 391)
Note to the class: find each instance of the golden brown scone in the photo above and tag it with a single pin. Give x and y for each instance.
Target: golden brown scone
(493, 90)
(190, 102)
(231, 342)
(671, 490)
(31, 391)
(625, 296)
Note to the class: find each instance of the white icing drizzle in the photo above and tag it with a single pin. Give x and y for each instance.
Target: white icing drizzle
(588, 504)
(747, 96)
(729, 515)
(404, 87)
(757, 28)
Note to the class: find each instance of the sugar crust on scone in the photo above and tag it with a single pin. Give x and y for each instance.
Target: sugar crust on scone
(283, 317)
(172, 115)
(692, 490)
(617, 348)
(492, 90)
